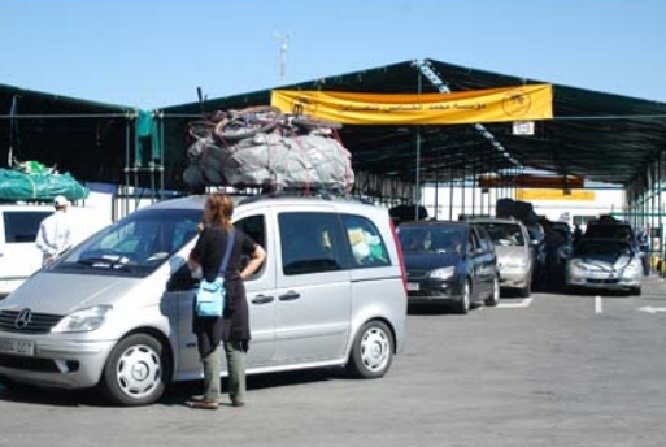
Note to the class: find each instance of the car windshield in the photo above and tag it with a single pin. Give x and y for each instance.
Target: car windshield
(602, 248)
(134, 246)
(431, 239)
(504, 234)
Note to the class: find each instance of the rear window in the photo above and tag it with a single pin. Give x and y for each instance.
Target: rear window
(22, 226)
(504, 234)
(368, 247)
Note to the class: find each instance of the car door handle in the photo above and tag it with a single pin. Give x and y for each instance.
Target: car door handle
(262, 299)
(290, 296)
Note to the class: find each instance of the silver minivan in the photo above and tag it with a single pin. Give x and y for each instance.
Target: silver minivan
(116, 311)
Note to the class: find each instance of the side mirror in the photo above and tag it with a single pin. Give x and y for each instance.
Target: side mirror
(182, 279)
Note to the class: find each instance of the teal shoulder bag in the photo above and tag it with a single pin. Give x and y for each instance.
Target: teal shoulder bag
(209, 300)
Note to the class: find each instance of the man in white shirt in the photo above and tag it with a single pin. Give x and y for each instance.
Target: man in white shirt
(54, 235)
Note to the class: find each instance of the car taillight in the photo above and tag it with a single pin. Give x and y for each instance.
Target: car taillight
(398, 247)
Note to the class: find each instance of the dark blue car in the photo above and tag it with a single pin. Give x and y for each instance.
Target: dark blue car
(449, 262)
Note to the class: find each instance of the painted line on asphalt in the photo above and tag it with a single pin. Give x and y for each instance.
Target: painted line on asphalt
(523, 304)
(597, 304)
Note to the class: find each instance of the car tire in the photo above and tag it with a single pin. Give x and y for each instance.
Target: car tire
(526, 291)
(635, 291)
(135, 371)
(372, 353)
(494, 298)
(465, 298)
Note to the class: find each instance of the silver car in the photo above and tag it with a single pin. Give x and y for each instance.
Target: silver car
(605, 264)
(514, 254)
(117, 309)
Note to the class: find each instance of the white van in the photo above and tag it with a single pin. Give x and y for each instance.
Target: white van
(117, 309)
(19, 257)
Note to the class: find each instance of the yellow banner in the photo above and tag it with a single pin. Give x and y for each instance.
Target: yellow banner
(554, 194)
(523, 103)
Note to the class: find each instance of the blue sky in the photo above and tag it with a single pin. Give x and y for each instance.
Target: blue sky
(153, 53)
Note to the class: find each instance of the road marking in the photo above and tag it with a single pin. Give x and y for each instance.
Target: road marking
(652, 310)
(597, 304)
(524, 303)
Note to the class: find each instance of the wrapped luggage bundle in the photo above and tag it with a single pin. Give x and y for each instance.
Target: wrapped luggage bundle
(518, 209)
(292, 153)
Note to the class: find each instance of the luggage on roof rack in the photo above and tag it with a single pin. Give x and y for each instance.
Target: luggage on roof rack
(40, 186)
(285, 154)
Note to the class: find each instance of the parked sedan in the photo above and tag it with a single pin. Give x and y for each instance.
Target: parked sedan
(605, 264)
(449, 262)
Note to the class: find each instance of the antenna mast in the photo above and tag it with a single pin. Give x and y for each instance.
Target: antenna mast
(284, 45)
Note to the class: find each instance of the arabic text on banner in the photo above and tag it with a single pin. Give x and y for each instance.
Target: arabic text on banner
(527, 102)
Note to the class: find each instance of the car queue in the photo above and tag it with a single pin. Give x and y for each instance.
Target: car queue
(333, 291)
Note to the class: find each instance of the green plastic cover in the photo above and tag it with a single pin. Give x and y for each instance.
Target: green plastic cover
(15, 185)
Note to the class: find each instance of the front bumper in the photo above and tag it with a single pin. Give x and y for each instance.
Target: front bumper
(56, 363)
(603, 282)
(428, 290)
(514, 278)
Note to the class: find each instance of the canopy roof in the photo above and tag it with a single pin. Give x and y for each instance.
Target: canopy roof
(601, 136)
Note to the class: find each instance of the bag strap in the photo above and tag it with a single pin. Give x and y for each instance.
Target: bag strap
(227, 253)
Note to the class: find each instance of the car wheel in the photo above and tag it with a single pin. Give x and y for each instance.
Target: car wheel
(465, 298)
(526, 291)
(135, 371)
(494, 298)
(372, 352)
(635, 291)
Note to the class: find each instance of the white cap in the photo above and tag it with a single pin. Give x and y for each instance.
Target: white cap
(61, 201)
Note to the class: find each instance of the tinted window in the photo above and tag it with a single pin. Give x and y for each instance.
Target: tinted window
(368, 248)
(135, 245)
(22, 226)
(310, 243)
(504, 234)
(431, 239)
(255, 228)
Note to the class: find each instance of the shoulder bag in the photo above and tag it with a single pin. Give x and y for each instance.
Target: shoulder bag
(209, 300)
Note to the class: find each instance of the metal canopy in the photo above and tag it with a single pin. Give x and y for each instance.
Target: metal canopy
(603, 137)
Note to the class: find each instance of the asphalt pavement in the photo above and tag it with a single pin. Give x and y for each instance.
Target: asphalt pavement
(554, 370)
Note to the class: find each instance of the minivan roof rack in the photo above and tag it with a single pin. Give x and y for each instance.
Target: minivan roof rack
(300, 194)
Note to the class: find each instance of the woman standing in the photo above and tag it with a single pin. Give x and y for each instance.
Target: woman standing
(232, 329)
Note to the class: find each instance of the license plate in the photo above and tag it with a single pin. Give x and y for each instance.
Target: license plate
(18, 347)
(413, 286)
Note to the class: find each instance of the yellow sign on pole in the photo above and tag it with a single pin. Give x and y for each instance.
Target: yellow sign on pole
(554, 194)
(523, 103)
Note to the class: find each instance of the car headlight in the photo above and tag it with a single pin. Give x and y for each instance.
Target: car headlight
(443, 273)
(83, 320)
(632, 269)
(578, 265)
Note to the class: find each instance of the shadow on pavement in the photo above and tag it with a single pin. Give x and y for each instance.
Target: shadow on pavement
(176, 394)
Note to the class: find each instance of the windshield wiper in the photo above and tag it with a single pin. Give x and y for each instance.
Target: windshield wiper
(114, 262)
